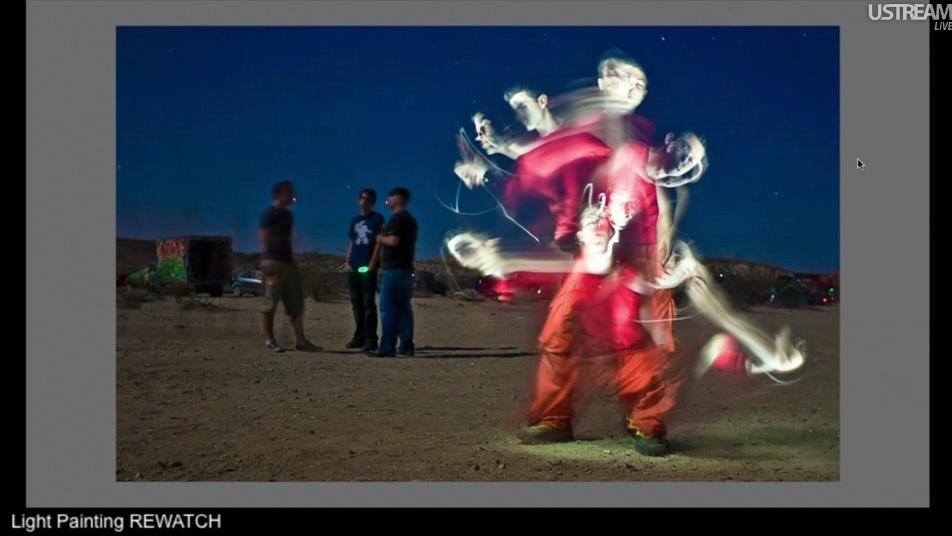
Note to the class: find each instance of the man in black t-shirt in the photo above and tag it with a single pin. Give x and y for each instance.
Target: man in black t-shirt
(282, 278)
(396, 248)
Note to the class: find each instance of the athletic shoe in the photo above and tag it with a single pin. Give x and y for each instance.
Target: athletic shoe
(542, 433)
(356, 342)
(369, 346)
(306, 346)
(272, 344)
(375, 353)
(409, 352)
(650, 445)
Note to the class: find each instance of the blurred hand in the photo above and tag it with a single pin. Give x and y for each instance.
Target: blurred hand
(664, 249)
(621, 210)
(486, 135)
(480, 255)
(472, 173)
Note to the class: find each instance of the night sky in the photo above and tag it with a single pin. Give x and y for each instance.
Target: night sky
(209, 118)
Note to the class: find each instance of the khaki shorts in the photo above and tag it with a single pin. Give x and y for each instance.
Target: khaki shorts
(282, 282)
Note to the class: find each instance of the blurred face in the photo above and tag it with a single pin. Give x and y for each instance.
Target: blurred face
(681, 156)
(394, 201)
(365, 202)
(286, 197)
(529, 111)
(623, 81)
(594, 233)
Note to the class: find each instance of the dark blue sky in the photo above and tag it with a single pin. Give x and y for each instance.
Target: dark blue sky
(209, 118)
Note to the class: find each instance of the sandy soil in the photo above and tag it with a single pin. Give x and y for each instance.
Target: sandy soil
(200, 399)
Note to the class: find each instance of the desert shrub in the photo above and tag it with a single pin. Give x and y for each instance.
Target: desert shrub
(323, 285)
(175, 289)
(745, 292)
(131, 295)
(191, 302)
(467, 295)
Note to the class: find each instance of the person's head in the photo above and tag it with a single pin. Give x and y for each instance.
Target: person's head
(366, 199)
(621, 78)
(531, 107)
(282, 194)
(683, 160)
(398, 198)
(594, 230)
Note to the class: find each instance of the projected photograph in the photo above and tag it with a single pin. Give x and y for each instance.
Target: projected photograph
(477, 254)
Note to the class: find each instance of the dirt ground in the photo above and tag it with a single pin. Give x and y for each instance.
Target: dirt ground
(200, 399)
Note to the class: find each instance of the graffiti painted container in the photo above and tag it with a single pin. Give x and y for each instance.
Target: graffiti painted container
(202, 262)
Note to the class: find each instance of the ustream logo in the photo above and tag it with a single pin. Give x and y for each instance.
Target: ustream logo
(940, 13)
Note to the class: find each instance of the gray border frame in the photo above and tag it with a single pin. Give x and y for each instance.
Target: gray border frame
(70, 197)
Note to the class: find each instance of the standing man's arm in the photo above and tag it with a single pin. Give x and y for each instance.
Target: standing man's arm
(262, 238)
(375, 256)
(264, 233)
(391, 236)
(391, 241)
(350, 245)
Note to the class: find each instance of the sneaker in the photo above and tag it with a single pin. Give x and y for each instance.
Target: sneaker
(272, 344)
(369, 346)
(306, 346)
(375, 353)
(650, 445)
(542, 433)
(409, 352)
(356, 342)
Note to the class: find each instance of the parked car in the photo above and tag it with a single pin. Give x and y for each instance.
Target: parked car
(425, 283)
(248, 282)
(522, 285)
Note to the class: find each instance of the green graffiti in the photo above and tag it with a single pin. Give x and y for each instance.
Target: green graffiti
(139, 277)
(171, 270)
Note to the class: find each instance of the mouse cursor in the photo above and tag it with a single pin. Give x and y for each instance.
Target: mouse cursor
(860, 165)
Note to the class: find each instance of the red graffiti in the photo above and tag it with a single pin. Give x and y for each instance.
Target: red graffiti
(171, 249)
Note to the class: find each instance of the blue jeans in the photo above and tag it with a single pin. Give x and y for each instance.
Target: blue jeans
(396, 316)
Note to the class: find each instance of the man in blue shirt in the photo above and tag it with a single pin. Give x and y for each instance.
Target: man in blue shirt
(362, 277)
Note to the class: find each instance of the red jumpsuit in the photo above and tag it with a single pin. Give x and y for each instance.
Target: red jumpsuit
(592, 314)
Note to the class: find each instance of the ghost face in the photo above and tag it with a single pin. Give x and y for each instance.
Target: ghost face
(529, 111)
(682, 160)
(623, 82)
(594, 233)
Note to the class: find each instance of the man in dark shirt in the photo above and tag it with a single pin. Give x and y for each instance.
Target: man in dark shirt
(396, 249)
(362, 279)
(282, 278)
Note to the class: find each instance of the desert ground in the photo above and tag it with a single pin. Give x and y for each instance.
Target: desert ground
(199, 398)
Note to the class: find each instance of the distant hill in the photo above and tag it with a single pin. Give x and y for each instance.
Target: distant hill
(132, 254)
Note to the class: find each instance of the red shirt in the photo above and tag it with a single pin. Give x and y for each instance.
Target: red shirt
(627, 174)
(558, 170)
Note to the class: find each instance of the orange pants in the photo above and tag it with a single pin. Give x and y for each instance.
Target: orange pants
(645, 377)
